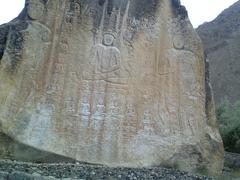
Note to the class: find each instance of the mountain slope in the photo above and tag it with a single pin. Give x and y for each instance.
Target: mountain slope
(221, 39)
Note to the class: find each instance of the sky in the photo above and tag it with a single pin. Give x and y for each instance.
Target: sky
(9, 9)
(199, 11)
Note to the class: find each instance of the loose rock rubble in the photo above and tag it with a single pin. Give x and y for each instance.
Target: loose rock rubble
(13, 170)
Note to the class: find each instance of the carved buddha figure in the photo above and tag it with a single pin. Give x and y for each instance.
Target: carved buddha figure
(116, 108)
(100, 109)
(106, 57)
(85, 106)
(105, 62)
(69, 104)
(147, 121)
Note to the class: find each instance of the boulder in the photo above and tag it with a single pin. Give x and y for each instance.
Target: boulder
(113, 82)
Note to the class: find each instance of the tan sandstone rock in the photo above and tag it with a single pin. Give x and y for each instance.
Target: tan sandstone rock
(114, 82)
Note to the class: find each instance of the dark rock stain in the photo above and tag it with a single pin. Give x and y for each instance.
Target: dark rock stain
(14, 45)
(110, 7)
(14, 49)
(101, 2)
(179, 10)
(209, 96)
(3, 39)
(139, 9)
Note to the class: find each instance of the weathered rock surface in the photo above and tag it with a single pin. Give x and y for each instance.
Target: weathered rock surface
(221, 43)
(232, 160)
(120, 83)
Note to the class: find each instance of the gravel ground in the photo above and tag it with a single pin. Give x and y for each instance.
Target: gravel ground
(13, 170)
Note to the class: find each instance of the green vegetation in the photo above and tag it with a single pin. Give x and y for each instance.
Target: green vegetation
(236, 173)
(229, 120)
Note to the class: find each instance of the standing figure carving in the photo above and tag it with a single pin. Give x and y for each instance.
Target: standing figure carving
(85, 107)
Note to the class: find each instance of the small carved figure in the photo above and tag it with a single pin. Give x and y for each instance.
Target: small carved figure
(92, 12)
(73, 11)
(64, 48)
(69, 17)
(77, 8)
(53, 88)
(130, 110)
(147, 121)
(58, 68)
(35, 9)
(85, 106)
(115, 109)
(69, 104)
(100, 109)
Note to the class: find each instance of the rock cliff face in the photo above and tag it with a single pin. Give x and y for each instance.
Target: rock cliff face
(221, 43)
(114, 82)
